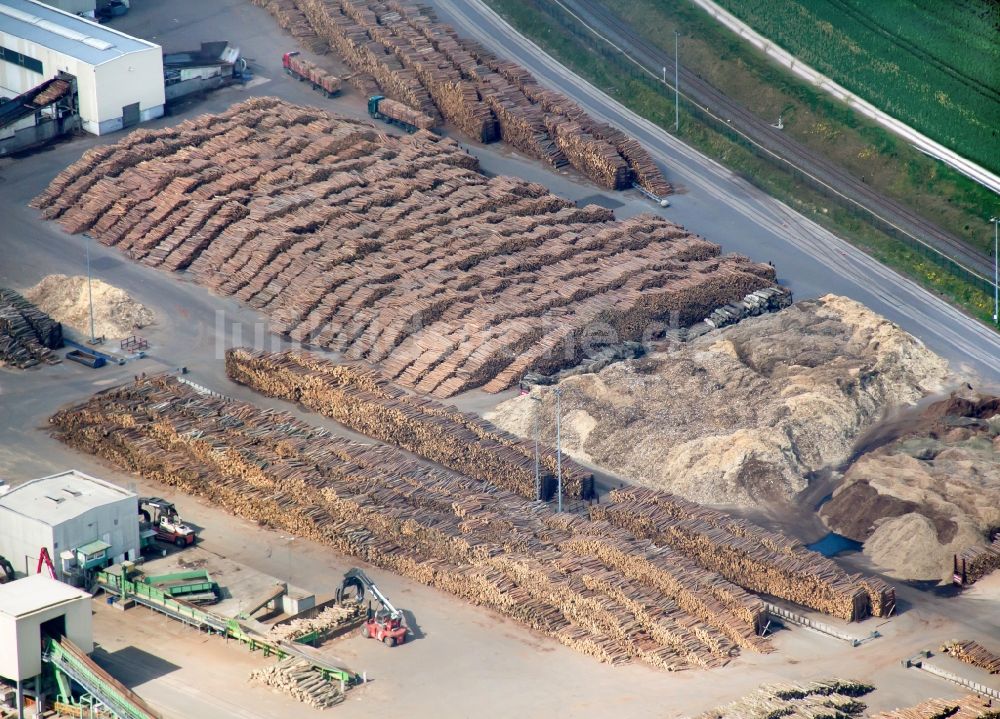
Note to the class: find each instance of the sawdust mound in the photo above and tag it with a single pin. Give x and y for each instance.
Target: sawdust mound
(65, 299)
(925, 489)
(743, 414)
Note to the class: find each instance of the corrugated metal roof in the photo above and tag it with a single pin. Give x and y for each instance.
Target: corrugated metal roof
(56, 499)
(93, 547)
(31, 594)
(66, 33)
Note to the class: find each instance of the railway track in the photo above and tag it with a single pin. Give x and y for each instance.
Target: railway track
(829, 176)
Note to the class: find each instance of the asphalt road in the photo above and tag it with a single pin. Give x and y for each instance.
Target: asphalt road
(825, 174)
(726, 209)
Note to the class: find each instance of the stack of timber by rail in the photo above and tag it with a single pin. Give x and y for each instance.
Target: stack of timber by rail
(365, 401)
(977, 561)
(973, 653)
(27, 335)
(426, 65)
(833, 699)
(393, 250)
(592, 586)
(968, 707)
(758, 560)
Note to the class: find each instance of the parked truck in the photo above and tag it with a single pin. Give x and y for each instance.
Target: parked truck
(305, 71)
(162, 516)
(396, 113)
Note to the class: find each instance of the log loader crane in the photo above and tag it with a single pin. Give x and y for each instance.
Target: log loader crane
(384, 624)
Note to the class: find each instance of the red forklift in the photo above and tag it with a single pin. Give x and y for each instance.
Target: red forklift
(385, 623)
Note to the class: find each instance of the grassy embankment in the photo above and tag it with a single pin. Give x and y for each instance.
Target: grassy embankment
(944, 196)
(934, 65)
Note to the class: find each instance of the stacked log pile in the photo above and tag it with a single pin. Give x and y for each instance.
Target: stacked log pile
(979, 560)
(299, 679)
(27, 335)
(328, 620)
(366, 402)
(829, 699)
(971, 706)
(426, 65)
(399, 111)
(973, 653)
(392, 250)
(291, 19)
(591, 585)
(746, 555)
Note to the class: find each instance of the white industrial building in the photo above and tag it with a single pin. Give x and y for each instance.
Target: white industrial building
(85, 523)
(31, 610)
(119, 79)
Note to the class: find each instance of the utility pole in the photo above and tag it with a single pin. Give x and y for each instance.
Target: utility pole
(677, 90)
(90, 294)
(538, 474)
(559, 448)
(996, 275)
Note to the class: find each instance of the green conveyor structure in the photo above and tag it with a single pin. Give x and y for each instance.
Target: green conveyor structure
(117, 581)
(71, 663)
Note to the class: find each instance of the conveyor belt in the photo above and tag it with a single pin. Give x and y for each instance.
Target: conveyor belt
(28, 103)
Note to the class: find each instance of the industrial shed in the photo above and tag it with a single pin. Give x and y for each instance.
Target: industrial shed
(85, 523)
(119, 79)
(32, 610)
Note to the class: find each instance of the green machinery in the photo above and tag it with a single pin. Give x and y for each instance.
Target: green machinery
(105, 695)
(124, 584)
(195, 586)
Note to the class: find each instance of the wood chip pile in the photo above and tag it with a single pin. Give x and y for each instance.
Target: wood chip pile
(979, 560)
(968, 707)
(829, 699)
(758, 560)
(328, 620)
(362, 399)
(975, 654)
(588, 584)
(426, 65)
(299, 679)
(27, 335)
(393, 250)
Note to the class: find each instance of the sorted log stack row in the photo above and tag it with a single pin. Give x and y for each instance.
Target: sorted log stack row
(291, 19)
(979, 560)
(328, 620)
(27, 335)
(759, 561)
(392, 250)
(590, 585)
(340, 28)
(426, 65)
(973, 653)
(828, 699)
(599, 159)
(365, 401)
(299, 679)
(971, 706)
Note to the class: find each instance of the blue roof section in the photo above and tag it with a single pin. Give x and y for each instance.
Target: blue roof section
(66, 33)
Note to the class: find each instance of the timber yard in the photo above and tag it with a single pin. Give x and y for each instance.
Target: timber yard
(360, 359)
